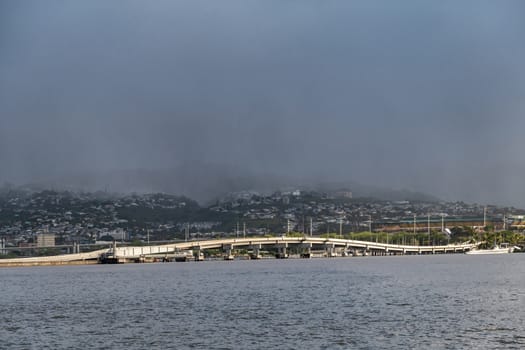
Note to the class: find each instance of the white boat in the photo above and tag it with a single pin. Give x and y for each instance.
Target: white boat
(503, 248)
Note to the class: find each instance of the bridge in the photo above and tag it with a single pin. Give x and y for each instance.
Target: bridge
(305, 246)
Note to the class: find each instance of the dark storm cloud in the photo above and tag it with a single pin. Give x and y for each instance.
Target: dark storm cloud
(421, 95)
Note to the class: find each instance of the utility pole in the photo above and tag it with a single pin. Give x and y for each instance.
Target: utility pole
(414, 229)
(311, 226)
(237, 231)
(428, 227)
(442, 223)
(147, 232)
(244, 230)
(341, 228)
(484, 218)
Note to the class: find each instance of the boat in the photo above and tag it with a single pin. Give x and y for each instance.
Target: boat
(503, 248)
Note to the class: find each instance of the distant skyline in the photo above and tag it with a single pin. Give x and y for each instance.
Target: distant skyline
(420, 95)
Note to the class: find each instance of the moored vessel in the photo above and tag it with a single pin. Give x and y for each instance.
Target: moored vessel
(503, 248)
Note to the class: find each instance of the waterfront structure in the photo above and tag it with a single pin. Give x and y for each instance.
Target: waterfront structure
(45, 240)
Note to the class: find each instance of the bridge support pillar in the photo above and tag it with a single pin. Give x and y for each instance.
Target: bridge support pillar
(227, 249)
(282, 252)
(256, 248)
(330, 250)
(345, 252)
(306, 250)
(197, 254)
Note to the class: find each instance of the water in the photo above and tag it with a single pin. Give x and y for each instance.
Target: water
(441, 302)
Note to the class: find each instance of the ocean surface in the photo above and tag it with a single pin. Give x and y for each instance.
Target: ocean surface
(403, 302)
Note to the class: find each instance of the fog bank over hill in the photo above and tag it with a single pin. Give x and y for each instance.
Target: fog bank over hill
(206, 182)
(211, 182)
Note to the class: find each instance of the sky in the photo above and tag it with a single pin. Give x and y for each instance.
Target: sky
(419, 95)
